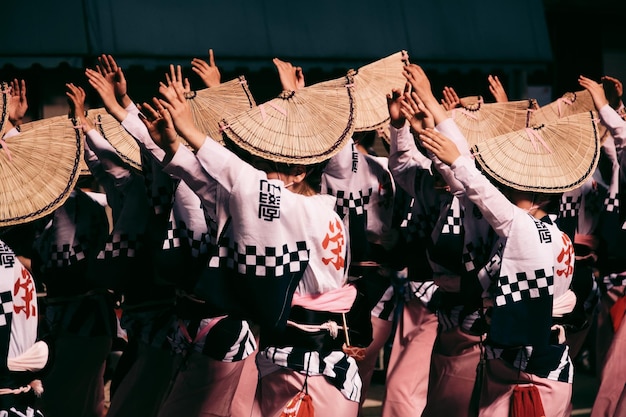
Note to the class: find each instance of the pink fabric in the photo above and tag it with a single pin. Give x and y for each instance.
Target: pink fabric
(336, 301)
(452, 374)
(500, 380)
(612, 392)
(277, 388)
(203, 387)
(381, 329)
(587, 240)
(408, 370)
(244, 404)
(534, 135)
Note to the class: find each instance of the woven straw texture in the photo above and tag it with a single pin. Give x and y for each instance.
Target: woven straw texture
(553, 158)
(211, 105)
(372, 84)
(481, 121)
(302, 127)
(124, 144)
(39, 169)
(4, 107)
(61, 124)
(567, 105)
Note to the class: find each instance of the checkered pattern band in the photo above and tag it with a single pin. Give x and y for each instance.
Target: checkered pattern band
(178, 235)
(352, 202)
(611, 203)
(120, 245)
(454, 219)
(569, 205)
(524, 286)
(6, 308)
(270, 262)
(65, 255)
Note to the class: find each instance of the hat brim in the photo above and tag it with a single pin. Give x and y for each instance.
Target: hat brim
(553, 158)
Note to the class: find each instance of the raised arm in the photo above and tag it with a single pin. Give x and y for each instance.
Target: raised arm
(450, 99)
(612, 120)
(496, 89)
(208, 71)
(18, 103)
(496, 208)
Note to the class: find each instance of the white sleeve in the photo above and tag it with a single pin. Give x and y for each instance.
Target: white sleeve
(497, 209)
(110, 161)
(406, 162)
(135, 127)
(615, 124)
(450, 129)
(187, 167)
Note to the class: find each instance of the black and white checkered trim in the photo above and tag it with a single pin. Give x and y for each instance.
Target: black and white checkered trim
(512, 289)
(267, 262)
(453, 223)
(611, 203)
(178, 235)
(351, 202)
(65, 255)
(120, 245)
(569, 205)
(6, 308)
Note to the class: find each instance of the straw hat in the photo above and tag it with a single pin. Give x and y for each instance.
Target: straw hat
(4, 107)
(552, 158)
(123, 142)
(38, 170)
(372, 83)
(63, 124)
(567, 105)
(481, 121)
(210, 105)
(303, 127)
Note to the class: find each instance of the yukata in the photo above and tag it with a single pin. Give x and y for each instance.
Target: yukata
(23, 356)
(456, 239)
(364, 191)
(280, 261)
(531, 266)
(83, 266)
(186, 345)
(611, 337)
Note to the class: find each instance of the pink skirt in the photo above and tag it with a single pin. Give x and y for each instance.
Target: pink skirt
(409, 363)
(452, 374)
(498, 384)
(276, 389)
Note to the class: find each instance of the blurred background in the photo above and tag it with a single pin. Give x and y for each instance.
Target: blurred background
(537, 47)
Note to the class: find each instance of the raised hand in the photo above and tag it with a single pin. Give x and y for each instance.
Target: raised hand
(175, 77)
(450, 99)
(178, 108)
(18, 102)
(394, 104)
(106, 91)
(113, 74)
(496, 89)
(442, 147)
(291, 78)
(76, 99)
(595, 89)
(416, 76)
(614, 90)
(414, 110)
(208, 72)
(160, 126)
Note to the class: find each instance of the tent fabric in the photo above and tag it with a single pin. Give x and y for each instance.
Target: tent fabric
(317, 33)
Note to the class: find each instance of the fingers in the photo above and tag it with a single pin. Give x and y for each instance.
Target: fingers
(211, 58)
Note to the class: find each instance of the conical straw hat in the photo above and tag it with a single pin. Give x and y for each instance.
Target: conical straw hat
(38, 171)
(553, 158)
(210, 105)
(4, 107)
(481, 121)
(302, 127)
(567, 105)
(61, 123)
(372, 84)
(123, 142)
